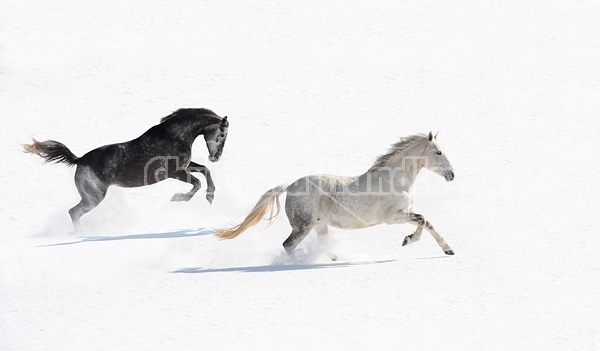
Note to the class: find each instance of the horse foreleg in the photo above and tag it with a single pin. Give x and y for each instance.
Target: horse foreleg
(210, 186)
(414, 237)
(443, 244)
(422, 223)
(186, 177)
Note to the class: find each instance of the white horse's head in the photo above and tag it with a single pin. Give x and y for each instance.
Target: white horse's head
(437, 161)
(215, 136)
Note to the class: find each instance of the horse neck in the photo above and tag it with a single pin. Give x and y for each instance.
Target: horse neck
(189, 129)
(404, 169)
(410, 163)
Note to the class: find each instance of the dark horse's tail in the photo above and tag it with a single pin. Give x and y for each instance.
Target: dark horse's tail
(52, 151)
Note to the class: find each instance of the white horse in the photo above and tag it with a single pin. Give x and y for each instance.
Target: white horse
(381, 195)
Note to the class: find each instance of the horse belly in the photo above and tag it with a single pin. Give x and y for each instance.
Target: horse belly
(347, 223)
(345, 214)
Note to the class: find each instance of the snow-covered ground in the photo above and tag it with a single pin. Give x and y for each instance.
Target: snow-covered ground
(309, 87)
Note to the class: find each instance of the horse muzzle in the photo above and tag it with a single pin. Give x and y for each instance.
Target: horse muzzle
(449, 175)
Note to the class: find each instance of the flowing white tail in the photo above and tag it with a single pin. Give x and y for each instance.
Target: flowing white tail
(264, 205)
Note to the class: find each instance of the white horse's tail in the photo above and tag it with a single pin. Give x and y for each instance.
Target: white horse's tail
(264, 205)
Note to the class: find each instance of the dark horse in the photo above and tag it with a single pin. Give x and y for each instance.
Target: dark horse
(163, 151)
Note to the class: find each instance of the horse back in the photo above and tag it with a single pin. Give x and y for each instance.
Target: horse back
(144, 160)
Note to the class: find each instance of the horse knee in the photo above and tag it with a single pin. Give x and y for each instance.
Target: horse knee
(419, 219)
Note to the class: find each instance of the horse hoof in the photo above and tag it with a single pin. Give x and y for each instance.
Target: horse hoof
(181, 197)
(406, 241)
(449, 252)
(210, 198)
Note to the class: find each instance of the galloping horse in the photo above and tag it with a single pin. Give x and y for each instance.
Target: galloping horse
(381, 195)
(163, 151)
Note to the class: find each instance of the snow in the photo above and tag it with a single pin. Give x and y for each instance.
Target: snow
(309, 87)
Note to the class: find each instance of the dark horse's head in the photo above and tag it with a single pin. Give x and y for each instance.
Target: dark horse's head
(188, 123)
(215, 136)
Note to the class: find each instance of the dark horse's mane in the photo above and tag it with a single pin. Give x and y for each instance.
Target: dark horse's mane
(189, 112)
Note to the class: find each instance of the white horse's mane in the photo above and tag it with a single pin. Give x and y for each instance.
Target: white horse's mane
(397, 149)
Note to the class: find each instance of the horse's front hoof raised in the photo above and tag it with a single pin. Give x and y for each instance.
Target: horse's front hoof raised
(181, 197)
(449, 252)
(406, 240)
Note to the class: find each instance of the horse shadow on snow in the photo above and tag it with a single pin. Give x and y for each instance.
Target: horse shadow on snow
(165, 235)
(279, 267)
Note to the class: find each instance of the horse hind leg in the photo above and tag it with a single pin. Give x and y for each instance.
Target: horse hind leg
(302, 217)
(325, 240)
(84, 206)
(92, 192)
(298, 234)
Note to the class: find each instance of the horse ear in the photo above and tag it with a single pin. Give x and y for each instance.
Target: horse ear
(224, 122)
(436, 134)
(430, 136)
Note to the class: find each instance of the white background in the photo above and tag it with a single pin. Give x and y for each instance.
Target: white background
(309, 87)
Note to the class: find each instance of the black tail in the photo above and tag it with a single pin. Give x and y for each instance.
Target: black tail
(52, 151)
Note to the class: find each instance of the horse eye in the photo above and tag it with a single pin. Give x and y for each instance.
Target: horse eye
(439, 152)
